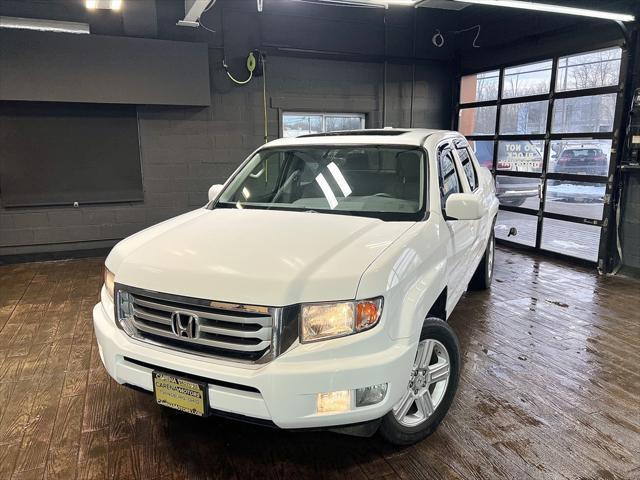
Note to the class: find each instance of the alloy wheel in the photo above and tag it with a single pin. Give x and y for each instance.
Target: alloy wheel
(427, 385)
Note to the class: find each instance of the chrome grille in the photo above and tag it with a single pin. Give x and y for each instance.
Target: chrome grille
(239, 332)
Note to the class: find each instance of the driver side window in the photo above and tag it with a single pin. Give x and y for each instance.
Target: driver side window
(449, 180)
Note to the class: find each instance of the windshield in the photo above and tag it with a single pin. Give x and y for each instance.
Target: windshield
(382, 182)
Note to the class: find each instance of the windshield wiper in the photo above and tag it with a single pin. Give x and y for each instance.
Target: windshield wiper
(224, 205)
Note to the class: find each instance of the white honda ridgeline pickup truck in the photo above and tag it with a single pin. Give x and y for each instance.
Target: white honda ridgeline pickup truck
(312, 291)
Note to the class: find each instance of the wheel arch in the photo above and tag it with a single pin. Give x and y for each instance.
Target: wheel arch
(412, 274)
(439, 307)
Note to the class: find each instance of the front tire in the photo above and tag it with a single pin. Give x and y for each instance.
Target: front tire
(483, 275)
(432, 386)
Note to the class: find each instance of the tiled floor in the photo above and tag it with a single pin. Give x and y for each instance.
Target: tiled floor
(550, 388)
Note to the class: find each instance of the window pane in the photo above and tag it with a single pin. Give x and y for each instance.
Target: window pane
(576, 239)
(526, 227)
(479, 87)
(524, 118)
(478, 121)
(584, 114)
(484, 151)
(449, 182)
(578, 199)
(520, 155)
(260, 183)
(467, 166)
(295, 125)
(471, 174)
(336, 123)
(518, 191)
(531, 79)
(582, 157)
(589, 70)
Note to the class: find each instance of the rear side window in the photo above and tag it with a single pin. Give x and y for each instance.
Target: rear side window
(449, 182)
(467, 166)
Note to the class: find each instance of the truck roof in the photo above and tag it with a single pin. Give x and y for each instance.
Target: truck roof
(386, 136)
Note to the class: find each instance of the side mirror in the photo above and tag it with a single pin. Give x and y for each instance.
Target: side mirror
(464, 206)
(214, 191)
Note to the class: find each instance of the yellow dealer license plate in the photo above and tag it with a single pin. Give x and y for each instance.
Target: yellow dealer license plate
(179, 393)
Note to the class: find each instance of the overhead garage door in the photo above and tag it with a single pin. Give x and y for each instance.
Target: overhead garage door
(546, 129)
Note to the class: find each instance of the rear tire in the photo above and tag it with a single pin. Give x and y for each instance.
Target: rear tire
(432, 386)
(483, 275)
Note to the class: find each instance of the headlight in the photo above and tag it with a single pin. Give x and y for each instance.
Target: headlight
(109, 280)
(320, 321)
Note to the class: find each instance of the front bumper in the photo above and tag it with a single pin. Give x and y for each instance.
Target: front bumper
(283, 391)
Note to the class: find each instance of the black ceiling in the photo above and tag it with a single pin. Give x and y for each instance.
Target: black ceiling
(499, 26)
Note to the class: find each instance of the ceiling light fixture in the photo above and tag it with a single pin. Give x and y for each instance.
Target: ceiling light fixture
(545, 7)
(103, 4)
(43, 25)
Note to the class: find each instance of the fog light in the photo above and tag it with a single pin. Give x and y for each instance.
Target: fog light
(334, 402)
(370, 395)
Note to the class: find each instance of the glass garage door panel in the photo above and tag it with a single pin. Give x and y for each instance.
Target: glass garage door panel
(477, 121)
(520, 155)
(589, 70)
(531, 79)
(577, 199)
(484, 151)
(580, 156)
(579, 240)
(528, 118)
(518, 191)
(479, 87)
(593, 113)
(526, 227)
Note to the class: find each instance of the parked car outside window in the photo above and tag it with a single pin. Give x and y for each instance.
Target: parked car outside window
(584, 160)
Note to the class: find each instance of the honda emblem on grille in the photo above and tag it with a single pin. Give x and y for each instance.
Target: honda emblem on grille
(185, 324)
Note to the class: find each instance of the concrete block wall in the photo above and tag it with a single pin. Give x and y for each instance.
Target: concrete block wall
(184, 150)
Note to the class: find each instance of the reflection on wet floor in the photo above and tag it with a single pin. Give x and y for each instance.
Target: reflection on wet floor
(550, 388)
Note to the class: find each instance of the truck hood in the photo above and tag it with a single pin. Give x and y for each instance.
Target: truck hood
(258, 257)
